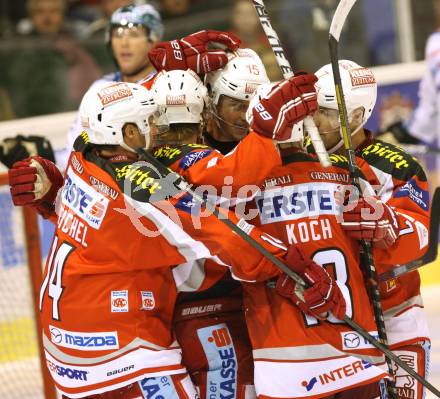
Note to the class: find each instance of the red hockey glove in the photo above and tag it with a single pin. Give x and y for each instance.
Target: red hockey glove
(35, 182)
(192, 52)
(372, 220)
(289, 102)
(321, 297)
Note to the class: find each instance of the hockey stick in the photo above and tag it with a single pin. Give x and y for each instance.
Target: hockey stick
(287, 72)
(367, 260)
(430, 254)
(172, 178)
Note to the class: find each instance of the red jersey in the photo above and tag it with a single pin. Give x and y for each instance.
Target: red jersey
(297, 355)
(114, 269)
(401, 183)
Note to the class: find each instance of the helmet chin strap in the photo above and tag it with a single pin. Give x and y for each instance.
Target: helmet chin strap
(340, 143)
(218, 118)
(127, 147)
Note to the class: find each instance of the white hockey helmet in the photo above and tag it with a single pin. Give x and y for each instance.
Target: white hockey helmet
(358, 83)
(107, 107)
(262, 91)
(239, 79)
(180, 97)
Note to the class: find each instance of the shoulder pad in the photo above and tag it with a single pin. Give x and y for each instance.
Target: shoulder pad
(169, 155)
(82, 142)
(392, 159)
(140, 180)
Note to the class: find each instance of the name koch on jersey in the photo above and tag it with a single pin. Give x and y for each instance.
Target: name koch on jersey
(296, 202)
(83, 200)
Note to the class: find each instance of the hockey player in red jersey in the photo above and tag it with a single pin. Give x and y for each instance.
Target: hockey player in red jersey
(90, 202)
(296, 355)
(403, 194)
(219, 308)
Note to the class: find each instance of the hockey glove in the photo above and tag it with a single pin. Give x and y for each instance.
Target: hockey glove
(372, 220)
(35, 182)
(323, 294)
(192, 52)
(289, 102)
(20, 147)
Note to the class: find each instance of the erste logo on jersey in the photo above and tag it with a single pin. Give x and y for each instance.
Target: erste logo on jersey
(119, 301)
(84, 341)
(83, 200)
(222, 361)
(296, 202)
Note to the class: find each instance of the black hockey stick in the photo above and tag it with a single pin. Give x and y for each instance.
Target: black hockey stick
(287, 72)
(175, 180)
(367, 260)
(431, 253)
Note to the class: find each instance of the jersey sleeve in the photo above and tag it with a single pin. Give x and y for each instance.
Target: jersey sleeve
(181, 218)
(237, 174)
(246, 263)
(401, 183)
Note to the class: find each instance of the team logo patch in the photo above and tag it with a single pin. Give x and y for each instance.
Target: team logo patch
(414, 193)
(114, 93)
(148, 302)
(391, 284)
(119, 301)
(190, 159)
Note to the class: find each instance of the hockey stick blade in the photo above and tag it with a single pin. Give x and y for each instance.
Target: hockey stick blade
(339, 18)
(431, 254)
